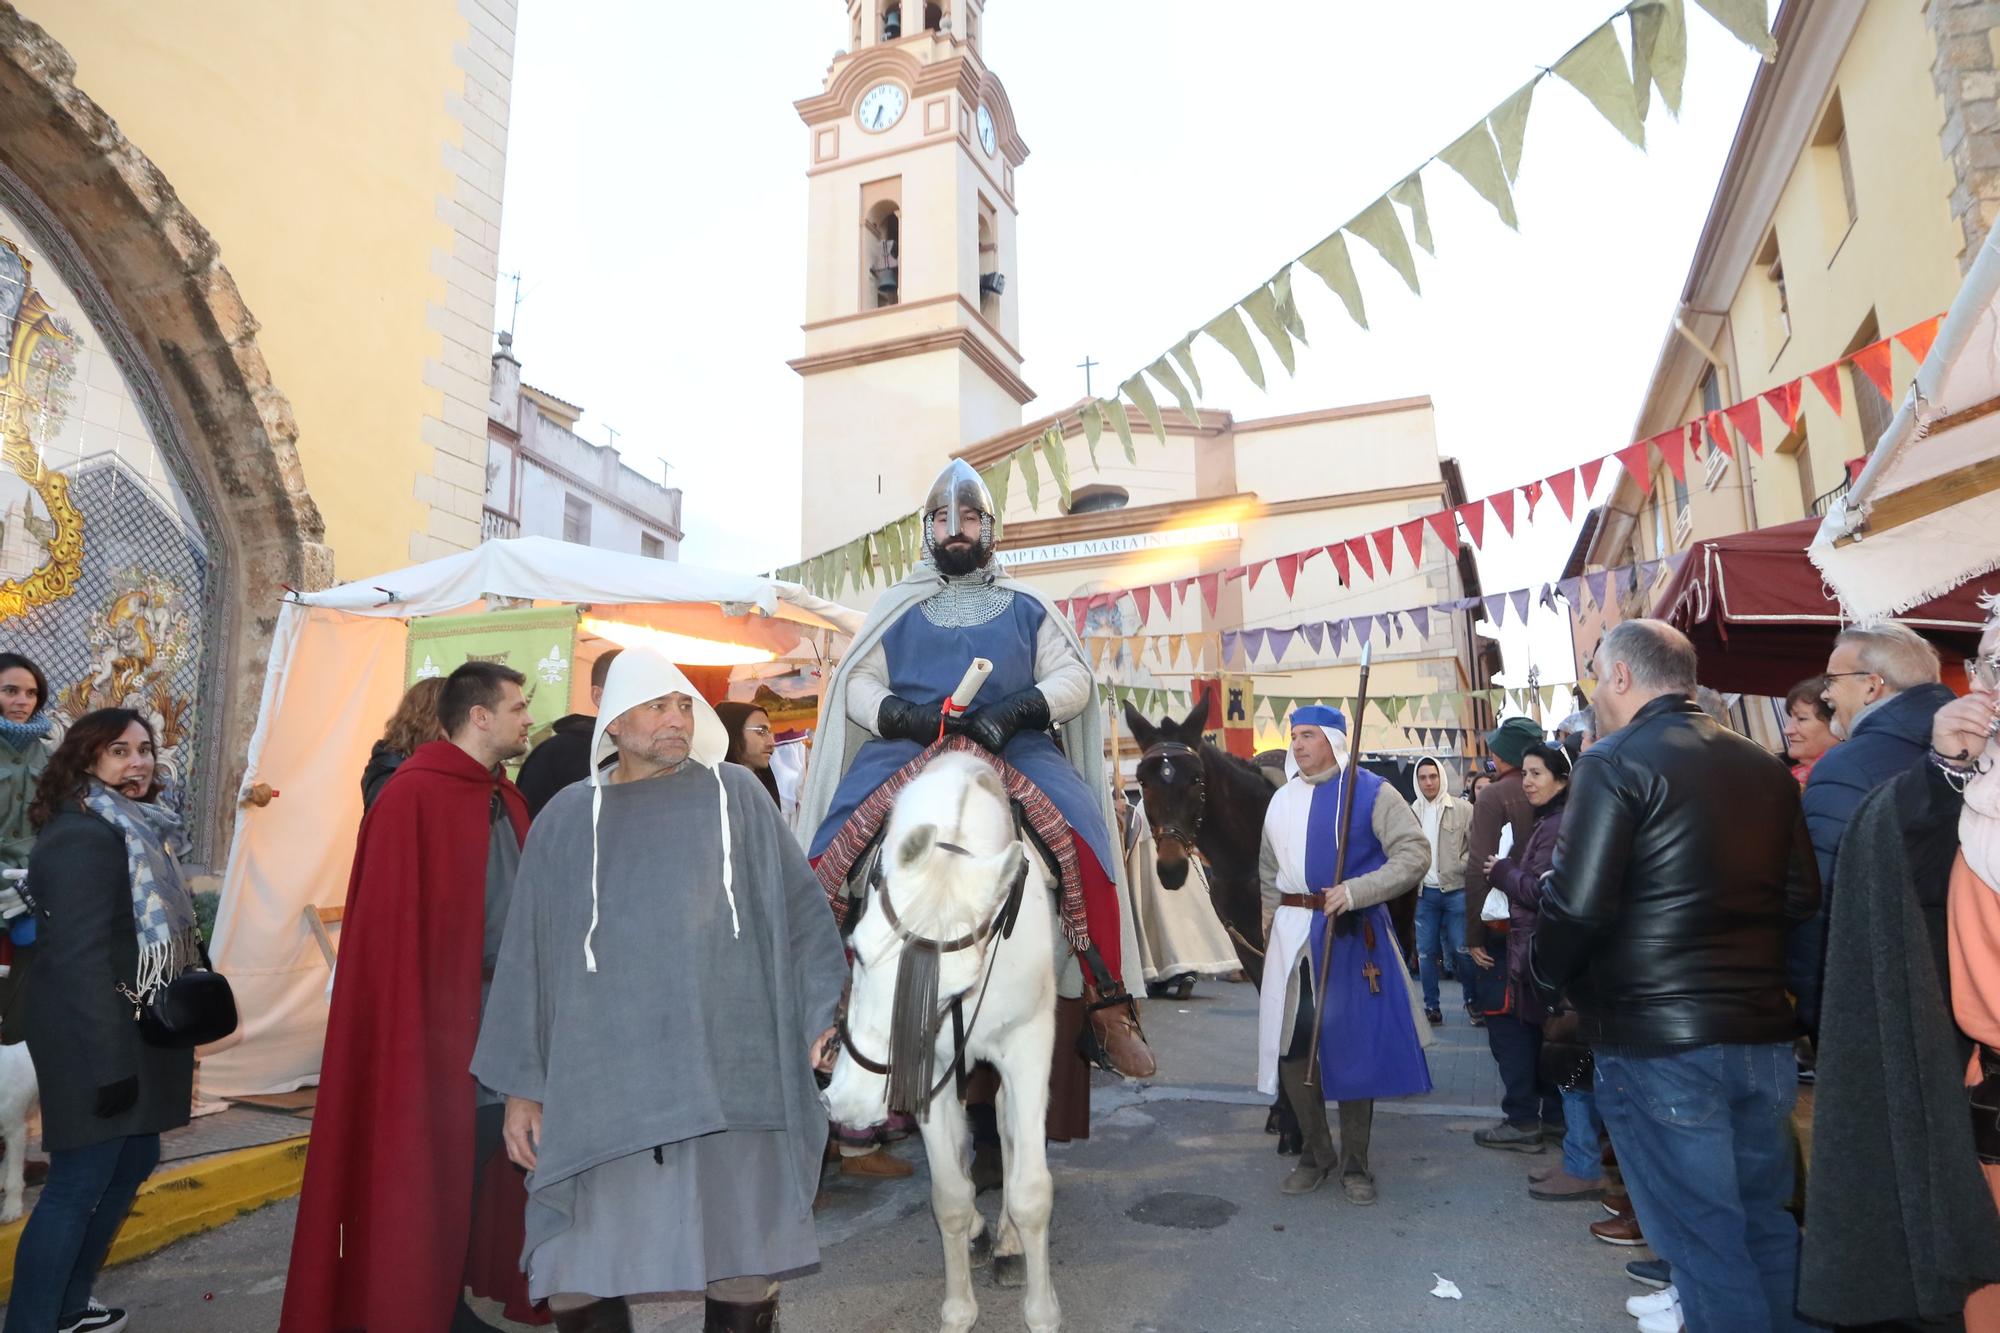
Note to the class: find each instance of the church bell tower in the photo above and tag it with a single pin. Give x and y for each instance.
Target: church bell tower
(912, 324)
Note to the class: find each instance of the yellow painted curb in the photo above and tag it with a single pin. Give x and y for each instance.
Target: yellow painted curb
(188, 1199)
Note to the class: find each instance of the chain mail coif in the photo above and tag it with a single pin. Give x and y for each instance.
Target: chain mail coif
(970, 599)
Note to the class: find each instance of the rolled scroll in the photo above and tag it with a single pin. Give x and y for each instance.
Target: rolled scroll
(968, 687)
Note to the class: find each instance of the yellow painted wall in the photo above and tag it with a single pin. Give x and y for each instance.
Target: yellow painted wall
(309, 139)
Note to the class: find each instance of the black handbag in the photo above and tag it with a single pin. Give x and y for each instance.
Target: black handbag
(193, 1009)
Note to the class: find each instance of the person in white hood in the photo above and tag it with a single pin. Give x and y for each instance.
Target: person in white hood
(1441, 900)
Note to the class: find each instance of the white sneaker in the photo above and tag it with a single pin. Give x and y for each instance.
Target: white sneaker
(1663, 1321)
(1653, 1302)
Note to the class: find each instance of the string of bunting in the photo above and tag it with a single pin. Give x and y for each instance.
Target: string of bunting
(1439, 706)
(1487, 157)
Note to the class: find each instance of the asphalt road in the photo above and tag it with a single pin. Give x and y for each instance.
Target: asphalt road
(1167, 1219)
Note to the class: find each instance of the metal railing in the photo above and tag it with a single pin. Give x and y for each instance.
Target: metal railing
(1825, 502)
(493, 523)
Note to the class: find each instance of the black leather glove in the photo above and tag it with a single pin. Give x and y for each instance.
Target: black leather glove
(114, 1099)
(993, 725)
(900, 720)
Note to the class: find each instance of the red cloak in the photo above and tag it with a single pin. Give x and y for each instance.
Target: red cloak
(385, 1233)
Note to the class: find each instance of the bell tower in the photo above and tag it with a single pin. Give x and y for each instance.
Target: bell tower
(912, 325)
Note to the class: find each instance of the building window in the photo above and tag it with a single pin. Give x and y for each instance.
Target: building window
(1802, 459)
(933, 18)
(892, 20)
(991, 283)
(653, 548)
(881, 243)
(1871, 410)
(1097, 499)
(576, 520)
(1834, 168)
(1777, 301)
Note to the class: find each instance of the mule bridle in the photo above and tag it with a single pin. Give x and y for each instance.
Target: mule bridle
(1000, 924)
(1165, 832)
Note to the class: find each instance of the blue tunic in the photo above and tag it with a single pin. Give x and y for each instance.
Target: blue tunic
(925, 663)
(1368, 1044)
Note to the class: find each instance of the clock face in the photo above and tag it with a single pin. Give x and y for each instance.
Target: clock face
(882, 106)
(986, 136)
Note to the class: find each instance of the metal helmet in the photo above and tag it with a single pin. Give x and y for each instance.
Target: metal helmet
(959, 487)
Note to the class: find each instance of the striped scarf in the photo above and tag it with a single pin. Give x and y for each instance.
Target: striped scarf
(162, 906)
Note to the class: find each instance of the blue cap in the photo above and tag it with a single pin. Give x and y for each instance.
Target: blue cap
(1319, 715)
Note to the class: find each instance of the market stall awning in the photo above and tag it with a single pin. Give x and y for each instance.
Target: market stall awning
(1763, 620)
(1924, 515)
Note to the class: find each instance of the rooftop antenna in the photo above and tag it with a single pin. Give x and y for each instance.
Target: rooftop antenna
(515, 317)
(611, 431)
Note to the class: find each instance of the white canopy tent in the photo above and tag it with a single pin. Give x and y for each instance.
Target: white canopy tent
(1924, 515)
(336, 672)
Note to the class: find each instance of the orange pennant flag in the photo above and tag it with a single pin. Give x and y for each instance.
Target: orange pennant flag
(1827, 380)
(1917, 339)
(1749, 423)
(1873, 361)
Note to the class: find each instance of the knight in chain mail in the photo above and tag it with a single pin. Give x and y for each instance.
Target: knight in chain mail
(884, 708)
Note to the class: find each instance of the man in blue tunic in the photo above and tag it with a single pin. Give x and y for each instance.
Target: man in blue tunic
(1373, 1036)
(884, 707)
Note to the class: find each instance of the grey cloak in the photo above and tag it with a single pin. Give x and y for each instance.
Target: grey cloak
(685, 1034)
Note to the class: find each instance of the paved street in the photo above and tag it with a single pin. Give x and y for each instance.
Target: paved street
(1168, 1218)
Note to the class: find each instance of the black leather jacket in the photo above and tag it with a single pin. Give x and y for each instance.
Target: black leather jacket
(1683, 860)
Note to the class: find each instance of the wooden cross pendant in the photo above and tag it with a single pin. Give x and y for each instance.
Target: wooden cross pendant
(1374, 975)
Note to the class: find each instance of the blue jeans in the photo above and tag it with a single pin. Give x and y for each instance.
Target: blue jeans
(84, 1202)
(1583, 1134)
(1703, 1146)
(1440, 934)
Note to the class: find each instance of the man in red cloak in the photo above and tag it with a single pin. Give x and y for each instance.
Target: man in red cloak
(407, 1199)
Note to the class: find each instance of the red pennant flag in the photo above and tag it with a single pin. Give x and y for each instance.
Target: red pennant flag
(1503, 509)
(1358, 548)
(1144, 598)
(1749, 423)
(1589, 473)
(1288, 571)
(1163, 594)
(1673, 452)
(1079, 607)
(1445, 524)
(1637, 460)
(1917, 339)
(1564, 486)
(1532, 493)
(1413, 537)
(1211, 588)
(1338, 554)
(1255, 570)
(1873, 361)
(1784, 400)
(1827, 380)
(1474, 516)
(1385, 547)
(1719, 432)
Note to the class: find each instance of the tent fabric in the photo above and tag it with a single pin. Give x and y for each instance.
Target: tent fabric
(1897, 567)
(337, 670)
(1762, 620)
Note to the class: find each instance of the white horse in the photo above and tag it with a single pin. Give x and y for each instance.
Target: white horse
(950, 865)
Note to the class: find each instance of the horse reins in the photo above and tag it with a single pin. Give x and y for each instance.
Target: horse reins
(1164, 832)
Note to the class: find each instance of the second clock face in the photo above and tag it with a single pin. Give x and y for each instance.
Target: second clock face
(882, 106)
(986, 136)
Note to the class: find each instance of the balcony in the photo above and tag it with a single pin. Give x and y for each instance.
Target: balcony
(1825, 502)
(494, 524)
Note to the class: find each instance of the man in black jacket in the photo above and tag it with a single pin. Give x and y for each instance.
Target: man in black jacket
(1683, 861)
(564, 757)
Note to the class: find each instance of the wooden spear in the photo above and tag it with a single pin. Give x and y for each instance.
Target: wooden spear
(1345, 821)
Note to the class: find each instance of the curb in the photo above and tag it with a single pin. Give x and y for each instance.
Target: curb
(190, 1198)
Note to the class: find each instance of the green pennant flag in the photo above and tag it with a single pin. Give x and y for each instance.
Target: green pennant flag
(1596, 68)
(1288, 305)
(1183, 352)
(1057, 452)
(1378, 225)
(1032, 475)
(1745, 21)
(1093, 426)
(1659, 46)
(913, 532)
(1510, 127)
(1142, 397)
(1410, 194)
(892, 550)
(1227, 328)
(1123, 425)
(995, 476)
(1330, 262)
(1164, 373)
(850, 564)
(1263, 310)
(1473, 156)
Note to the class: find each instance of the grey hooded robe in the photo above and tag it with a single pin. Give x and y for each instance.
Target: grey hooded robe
(687, 1038)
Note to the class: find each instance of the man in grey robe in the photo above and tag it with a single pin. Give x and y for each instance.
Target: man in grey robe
(666, 985)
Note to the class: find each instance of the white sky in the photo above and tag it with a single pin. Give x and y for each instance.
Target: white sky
(1181, 151)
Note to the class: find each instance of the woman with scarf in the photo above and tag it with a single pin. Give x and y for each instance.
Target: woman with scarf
(750, 742)
(116, 922)
(24, 753)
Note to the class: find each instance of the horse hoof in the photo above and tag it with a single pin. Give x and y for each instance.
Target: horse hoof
(1290, 1145)
(986, 1168)
(1010, 1270)
(981, 1253)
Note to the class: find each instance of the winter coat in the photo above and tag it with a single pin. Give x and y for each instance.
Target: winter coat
(383, 761)
(1520, 878)
(558, 761)
(81, 1032)
(1887, 741)
(1502, 805)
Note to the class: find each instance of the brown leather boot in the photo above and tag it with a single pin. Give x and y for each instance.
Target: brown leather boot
(740, 1316)
(1115, 1041)
(612, 1316)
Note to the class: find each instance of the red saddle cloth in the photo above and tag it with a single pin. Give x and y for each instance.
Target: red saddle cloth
(837, 861)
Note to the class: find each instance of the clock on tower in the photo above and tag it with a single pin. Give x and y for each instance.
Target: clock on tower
(912, 328)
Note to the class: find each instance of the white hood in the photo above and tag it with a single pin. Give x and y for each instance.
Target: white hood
(638, 676)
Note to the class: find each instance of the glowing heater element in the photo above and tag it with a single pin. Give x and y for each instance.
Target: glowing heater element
(682, 648)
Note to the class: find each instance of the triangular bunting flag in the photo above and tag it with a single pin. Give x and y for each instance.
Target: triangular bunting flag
(1135, 389)
(1123, 425)
(1358, 548)
(1917, 339)
(1315, 635)
(1445, 524)
(1211, 588)
(1596, 68)
(1253, 642)
(1588, 474)
(1279, 640)
(1510, 127)
(1232, 644)
(1572, 590)
(1563, 484)
(1827, 380)
(1092, 417)
(1745, 21)
(1673, 452)
(1227, 328)
(1718, 431)
(1057, 454)
(1288, 571)
(1749, 423)
(1473, 156)
(1385, 546)
(1413, 537)
(1032, 475)
(1520, 599)
(1637, 460)
(1255, 570)
(1784, 400)
(1262, 307)
(1176, 643)
(1420, 620)
(1164, 373)
(1389, 626)
(1599, 584)
(1474, 517)
(1143, 599)
(1494, 606)
(1410, 194)
(1336, 635)
(1183, 353)
(1503, 509)
(1329, 259)
(1288, 305)
(1378, 225)
(1163, 593)
(1874, 362)
(1338, 554)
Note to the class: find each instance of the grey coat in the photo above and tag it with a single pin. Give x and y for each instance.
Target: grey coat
(81, 1032)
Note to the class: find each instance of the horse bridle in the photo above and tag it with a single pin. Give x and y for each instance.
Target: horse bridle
(1001, 923)
(1165, 832)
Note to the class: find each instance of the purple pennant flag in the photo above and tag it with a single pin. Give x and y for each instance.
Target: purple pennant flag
(1279, 640)
(1363, 627)
(1231, 641)
(1599, 583)
(1420, 620)
(1387, 624)
(1520, 600)
(1548, 596)
(1674, 562)
(1493, 605)
(1315, 633)
(1253, 643)
(1336, 634)
(1572, 591)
